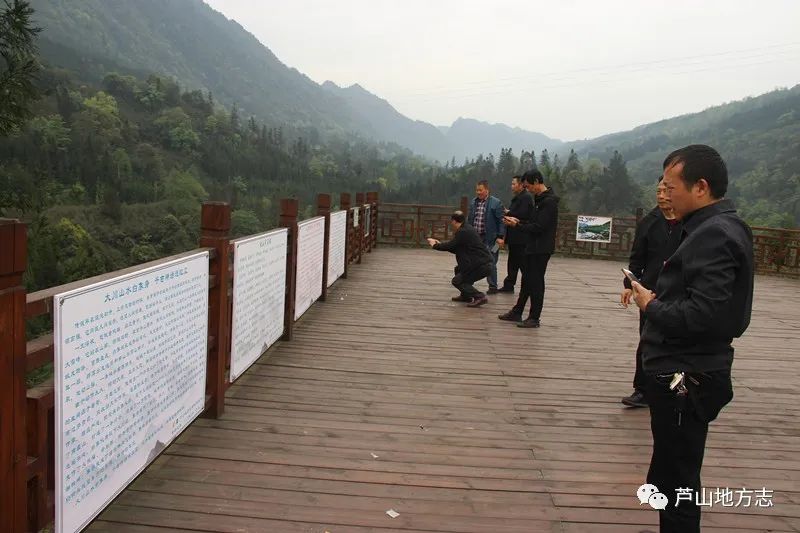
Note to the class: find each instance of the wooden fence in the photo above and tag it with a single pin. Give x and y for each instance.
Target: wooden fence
(27, 433)
(776, 251)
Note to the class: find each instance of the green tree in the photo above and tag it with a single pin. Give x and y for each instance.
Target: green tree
(18, 64)
(65, 252)
(616, 192)
(245, 222)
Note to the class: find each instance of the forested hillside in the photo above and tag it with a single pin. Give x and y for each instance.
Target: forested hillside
(759, 138)
(110, 164)
(199, 47)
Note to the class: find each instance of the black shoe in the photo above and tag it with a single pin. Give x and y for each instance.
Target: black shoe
(492, 290)
(529, 323)
(461, 298)
(509, 290)
(636, 399)
(478, 301)
(511, 316)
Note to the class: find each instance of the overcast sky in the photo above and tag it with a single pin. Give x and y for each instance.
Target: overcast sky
(570, 69)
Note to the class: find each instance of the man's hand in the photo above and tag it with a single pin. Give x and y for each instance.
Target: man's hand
(501, 242)
(642, 296)
(510, 221)
(625, 297)
(431, 242)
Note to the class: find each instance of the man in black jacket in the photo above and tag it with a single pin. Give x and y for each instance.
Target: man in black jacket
(473, 260)
(540, 245)
(521, 208)
(702, 301)
(657, 237)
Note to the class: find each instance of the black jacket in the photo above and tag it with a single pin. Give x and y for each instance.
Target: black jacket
(522, 208)
(471, 252)
(541, 228)
(655, 240)
(704, 295)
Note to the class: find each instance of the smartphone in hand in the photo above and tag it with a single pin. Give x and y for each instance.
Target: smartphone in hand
(631, 276)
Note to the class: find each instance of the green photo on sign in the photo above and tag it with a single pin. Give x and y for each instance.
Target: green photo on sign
(593, 229)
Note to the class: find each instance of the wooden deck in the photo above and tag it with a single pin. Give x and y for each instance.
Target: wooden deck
(393, 397)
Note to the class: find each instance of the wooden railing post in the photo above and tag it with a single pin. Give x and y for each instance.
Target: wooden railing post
(360, 233)
(215, 227)
(344, 203)
(13, 452)
(464, 207)
(372, 199)
(288, 219)
(324, 210)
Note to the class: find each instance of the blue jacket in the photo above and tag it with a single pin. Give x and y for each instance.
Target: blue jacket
(494, 219)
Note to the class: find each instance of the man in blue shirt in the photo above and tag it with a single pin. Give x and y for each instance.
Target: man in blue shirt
(486, 216)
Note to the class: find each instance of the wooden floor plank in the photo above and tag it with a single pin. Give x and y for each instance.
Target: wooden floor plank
(393, 397)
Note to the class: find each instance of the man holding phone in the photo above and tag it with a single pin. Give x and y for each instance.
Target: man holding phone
(657, 237)
(702, 301)
(540, 232)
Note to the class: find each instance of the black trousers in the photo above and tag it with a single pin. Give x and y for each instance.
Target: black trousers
(532, 285)
(678, 449)
(639, 378)
(463, 281)
(516, 262)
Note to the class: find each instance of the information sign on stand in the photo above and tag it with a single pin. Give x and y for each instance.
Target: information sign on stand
(259, 295)
(130, 376)
(337, 246)
(310, 252)
(367, 219)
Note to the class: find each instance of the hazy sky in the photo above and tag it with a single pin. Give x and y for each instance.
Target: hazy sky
(567, 68)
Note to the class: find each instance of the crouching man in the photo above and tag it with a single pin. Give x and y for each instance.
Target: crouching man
(474, 261)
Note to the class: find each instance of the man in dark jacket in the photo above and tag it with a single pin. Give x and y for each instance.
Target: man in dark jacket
(473, 260)
(540, 245)
(486, 216)
(702, 301)
(657, 237)
(521, 208)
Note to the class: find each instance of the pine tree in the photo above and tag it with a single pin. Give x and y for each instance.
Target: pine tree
(20, 67)
(544, 163)
(619, 192)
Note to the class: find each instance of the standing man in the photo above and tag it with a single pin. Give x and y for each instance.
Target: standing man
(521, 208)
(473, 260)
(486, 216)
(540, 245)
(702, 301)
(657, 237)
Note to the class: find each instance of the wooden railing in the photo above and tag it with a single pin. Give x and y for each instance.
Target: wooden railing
(776, 251)
(27, 450)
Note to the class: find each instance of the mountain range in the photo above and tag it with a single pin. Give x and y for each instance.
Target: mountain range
(202, 49)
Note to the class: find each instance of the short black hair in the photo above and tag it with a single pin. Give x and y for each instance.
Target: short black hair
(458, 216)
(660, 178)
(485, 183)
(520, 179)
(701, 162)
(533, 176)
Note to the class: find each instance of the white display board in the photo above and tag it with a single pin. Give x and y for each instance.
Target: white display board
(259, 296)
(337, 243)
(356, 212)
(367, 219)
(310, 255)
(130, 376)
